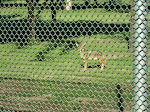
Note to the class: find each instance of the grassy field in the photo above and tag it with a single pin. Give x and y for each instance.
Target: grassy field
(59, 82)
(69, 66)
(60, 79)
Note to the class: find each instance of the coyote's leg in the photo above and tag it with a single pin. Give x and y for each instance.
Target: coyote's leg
(103, 63)
(85, 64)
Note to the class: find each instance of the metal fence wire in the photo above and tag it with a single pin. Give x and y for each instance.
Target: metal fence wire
(74, 55)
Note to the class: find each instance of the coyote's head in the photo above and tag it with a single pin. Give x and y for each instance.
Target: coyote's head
(81, 47)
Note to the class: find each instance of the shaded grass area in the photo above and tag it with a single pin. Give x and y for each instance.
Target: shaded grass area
(18, 30)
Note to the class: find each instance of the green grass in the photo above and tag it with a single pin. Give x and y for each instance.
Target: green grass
(61, 79)
(69, 64)
(21, 63)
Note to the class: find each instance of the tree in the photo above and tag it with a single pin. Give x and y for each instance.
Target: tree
(31, 19)
(31, 4)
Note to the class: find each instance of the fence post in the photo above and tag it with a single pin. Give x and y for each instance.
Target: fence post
(120, 99)
(140, 56)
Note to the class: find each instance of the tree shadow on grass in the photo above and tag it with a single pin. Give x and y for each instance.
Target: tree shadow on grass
(17, 30)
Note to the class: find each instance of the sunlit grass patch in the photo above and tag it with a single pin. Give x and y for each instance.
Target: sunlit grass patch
(68, 65)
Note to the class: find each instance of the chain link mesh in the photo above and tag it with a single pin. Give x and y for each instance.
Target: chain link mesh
(69, 55)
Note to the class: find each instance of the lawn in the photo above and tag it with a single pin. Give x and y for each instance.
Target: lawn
(23, 66)
(61, 78)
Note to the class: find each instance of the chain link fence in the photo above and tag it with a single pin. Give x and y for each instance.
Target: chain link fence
(74, 55)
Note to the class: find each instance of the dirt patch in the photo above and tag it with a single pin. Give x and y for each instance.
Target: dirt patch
(35, 103)
(85, 99)
(43, 102)
(94, 105)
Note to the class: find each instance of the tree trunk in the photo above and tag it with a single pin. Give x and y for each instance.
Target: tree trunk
(31, 19)
(53, 10)
(86, 3)
(95, 1)
(111, 2)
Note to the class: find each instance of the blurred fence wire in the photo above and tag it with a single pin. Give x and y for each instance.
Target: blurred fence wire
(74, 55)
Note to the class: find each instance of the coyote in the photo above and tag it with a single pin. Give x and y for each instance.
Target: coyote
(90, 55)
